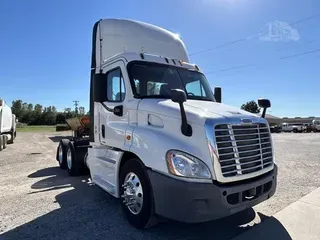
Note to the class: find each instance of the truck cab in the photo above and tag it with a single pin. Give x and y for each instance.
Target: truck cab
(316, 125)
(161, 140)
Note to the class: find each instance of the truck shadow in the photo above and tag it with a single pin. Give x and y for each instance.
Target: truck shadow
(87, 212)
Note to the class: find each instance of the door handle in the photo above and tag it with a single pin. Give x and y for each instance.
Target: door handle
(103, 130)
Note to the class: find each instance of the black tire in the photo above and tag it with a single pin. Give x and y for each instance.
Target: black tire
(11, 141)
(62, 160)
(73, 169)
(146, 218)
(5, 140)
(1, 142)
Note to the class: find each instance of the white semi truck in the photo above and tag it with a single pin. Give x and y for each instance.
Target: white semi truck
(7, 125)
(160, 139)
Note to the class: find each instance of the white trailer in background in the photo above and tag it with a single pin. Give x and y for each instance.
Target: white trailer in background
(160, 139)
(7, 125)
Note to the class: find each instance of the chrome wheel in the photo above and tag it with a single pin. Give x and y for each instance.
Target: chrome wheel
(69, 158)
(60, 155)
(133, 193)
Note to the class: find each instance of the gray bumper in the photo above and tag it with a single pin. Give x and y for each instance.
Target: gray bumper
(200, 202)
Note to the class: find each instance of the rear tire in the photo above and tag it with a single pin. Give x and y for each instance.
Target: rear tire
(5, 140)
(62, 153)
(72, 166)
(1, 142)
(142, 213)
(13, 136)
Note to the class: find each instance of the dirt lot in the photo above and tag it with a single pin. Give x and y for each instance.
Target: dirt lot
(39, 201)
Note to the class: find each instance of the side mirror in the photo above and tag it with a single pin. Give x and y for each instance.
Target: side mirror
(99, 87)
(218, 94)
(264, 103)
(178, 96)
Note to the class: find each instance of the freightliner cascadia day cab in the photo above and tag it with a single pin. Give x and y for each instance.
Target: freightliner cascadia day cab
(7, 125)
(160, 139)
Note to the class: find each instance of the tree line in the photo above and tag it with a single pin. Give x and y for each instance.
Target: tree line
(39, 115)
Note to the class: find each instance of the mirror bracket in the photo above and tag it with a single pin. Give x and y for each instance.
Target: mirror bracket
(179, 96)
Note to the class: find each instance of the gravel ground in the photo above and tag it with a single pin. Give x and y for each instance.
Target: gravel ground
(39, 201)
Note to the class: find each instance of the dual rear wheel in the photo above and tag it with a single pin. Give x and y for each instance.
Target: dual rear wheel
(66, 157)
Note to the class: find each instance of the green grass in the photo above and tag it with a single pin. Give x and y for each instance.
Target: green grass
(37, 129)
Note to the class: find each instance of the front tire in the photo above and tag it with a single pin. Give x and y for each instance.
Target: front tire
(137, 195)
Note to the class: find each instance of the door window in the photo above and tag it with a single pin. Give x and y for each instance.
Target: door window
(195, 88)
(116, 89)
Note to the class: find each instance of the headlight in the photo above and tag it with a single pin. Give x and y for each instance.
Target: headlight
(184, 165)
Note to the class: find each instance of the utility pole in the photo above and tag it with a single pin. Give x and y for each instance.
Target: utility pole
(76, 104)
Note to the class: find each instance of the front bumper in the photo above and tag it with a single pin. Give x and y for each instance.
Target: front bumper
(199, 202)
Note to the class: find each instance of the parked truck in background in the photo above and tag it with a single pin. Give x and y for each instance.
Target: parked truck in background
(7, 125)
(293, 127)
(159, 138)
(316, 125)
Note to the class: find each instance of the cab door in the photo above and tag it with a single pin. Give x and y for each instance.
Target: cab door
(113, 125)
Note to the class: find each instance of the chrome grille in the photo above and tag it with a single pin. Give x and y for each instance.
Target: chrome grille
(243, 149)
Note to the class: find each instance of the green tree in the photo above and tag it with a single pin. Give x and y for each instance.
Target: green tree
(251, 106)
(38, 108)
(17, 108)
(60, 118)
(30, 107)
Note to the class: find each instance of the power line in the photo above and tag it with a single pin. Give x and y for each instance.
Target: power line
(305, 19)
(256, 34)
(251, 65)
(293, 45)
(221, 46)
(300, 54)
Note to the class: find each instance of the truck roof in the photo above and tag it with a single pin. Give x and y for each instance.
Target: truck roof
(114, 36)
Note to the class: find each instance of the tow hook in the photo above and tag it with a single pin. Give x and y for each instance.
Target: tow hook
(250, 194)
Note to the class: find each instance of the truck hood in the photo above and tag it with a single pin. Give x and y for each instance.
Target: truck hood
(197, 111)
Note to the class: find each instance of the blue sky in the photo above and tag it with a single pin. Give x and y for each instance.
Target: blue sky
(45, 48)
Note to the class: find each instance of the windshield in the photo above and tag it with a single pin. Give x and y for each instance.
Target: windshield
(151, 80)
